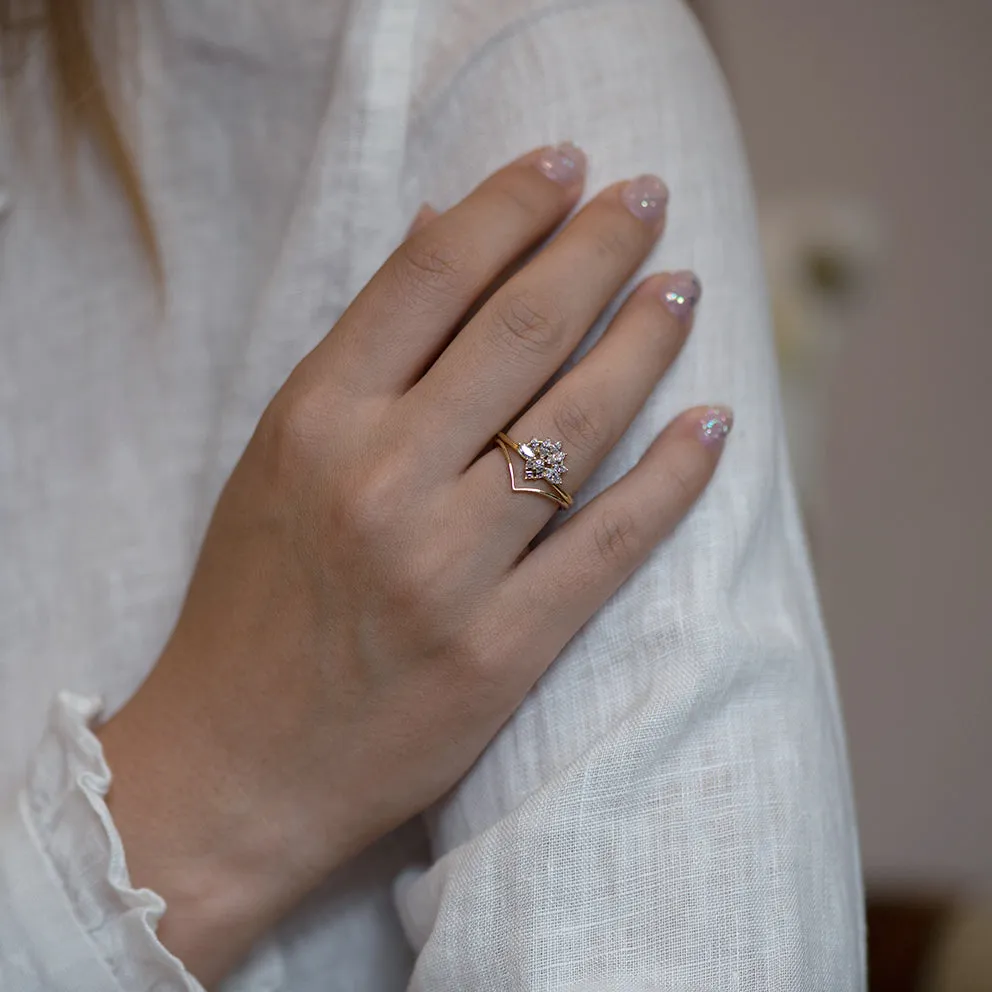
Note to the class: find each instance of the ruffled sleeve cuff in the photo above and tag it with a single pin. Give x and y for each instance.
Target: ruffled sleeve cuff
(69, 915)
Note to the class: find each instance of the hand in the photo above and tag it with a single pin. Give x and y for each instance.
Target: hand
(365, 612)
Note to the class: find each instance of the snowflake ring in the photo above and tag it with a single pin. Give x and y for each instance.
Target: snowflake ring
(544, 461)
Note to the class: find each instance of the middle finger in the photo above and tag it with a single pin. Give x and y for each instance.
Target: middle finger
(590, 408)
(524, 332)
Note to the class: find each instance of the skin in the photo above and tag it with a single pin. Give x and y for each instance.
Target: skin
(366, 611)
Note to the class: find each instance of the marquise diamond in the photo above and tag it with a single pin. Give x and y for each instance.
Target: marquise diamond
(543, 459)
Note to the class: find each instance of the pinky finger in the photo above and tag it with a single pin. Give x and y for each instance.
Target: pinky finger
(559, 585)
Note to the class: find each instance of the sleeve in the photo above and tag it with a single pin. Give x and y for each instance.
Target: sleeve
(69, 916)
(670, 807)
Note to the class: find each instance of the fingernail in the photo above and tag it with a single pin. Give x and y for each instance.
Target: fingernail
(646, 198)
(680, 292)
(715, 425)
(564, 163)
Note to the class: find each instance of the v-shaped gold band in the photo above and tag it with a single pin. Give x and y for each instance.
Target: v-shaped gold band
(555, 492)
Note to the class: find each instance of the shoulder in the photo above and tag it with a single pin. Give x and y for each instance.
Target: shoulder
(544, 43)
(631, 81)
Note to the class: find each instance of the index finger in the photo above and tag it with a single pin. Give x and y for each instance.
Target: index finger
(401, 320)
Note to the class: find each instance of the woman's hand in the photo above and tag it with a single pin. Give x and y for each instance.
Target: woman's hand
(365, 615)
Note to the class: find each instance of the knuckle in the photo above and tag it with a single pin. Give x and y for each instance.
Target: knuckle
(617, 536)
(530, 322)
(433, 610)
(430, 579)
(470, 653)
(291, 433)
(412, 596)
(579, 425)
(519, 192)
(612, 244)
(365, 504)
(431, 267)
(683, 479)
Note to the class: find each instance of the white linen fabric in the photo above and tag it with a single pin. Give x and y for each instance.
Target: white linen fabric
(670, 807)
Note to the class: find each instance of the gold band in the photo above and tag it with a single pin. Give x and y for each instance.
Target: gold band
(535, 455)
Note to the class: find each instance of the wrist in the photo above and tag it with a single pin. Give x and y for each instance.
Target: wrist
(227, 861)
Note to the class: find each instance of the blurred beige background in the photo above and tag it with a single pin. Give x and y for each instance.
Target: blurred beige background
(891, 101)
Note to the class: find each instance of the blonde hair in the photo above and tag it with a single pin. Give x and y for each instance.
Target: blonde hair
(81, 96)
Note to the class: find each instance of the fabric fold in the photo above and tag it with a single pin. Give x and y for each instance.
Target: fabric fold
(62, 861)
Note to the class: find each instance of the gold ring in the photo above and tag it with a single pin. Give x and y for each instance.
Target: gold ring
(544, 460)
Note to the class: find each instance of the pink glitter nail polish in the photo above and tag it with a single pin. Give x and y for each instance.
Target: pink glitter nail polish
(715, 425)
(680, 292)
(564, 163)
(646, 198)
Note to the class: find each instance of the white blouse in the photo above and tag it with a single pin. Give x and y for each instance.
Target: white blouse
(670, 807)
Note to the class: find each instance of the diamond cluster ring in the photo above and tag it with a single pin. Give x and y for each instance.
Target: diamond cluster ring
(544, 461)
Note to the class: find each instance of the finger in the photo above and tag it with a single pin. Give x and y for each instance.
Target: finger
(527, 329)
(590, 408)
(404, 315)
(423, 217)
(559, 585)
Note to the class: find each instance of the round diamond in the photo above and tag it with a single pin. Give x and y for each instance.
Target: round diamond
(543, 459)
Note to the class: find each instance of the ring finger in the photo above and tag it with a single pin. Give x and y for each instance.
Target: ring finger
(590, 407)
(526, 330)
